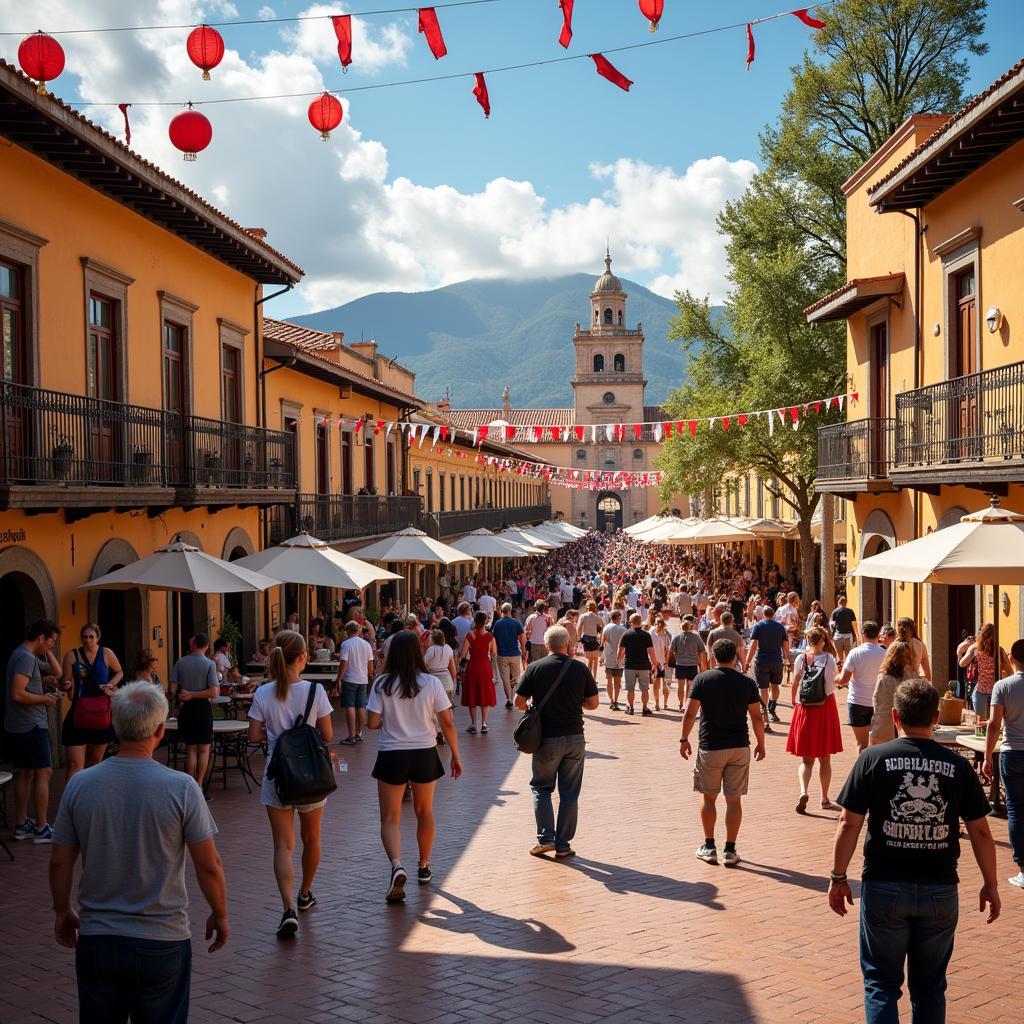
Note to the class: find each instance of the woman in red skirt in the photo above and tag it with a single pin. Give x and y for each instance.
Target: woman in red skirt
(814, 734)
(478, 680)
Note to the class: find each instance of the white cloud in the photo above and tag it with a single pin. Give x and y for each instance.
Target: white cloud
(266, 12)
(331, 207)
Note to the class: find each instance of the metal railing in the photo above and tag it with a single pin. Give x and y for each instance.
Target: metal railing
(339, 517)
(965, 419)
(52, 437)
(457, 524)
(856, 450)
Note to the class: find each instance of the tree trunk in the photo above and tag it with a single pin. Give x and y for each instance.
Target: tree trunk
(807, 575)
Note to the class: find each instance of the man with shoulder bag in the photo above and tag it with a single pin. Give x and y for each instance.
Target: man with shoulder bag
(561, 689)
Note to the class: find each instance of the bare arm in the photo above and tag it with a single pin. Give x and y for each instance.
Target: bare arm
(984, 849)
(446, 719)
(214, 886)
(591, 703)
(995, 725)
(373, 720)
(324, 727)
(926, 665)
(968, 656)
(847, 835)
(62, 872)
(757, 721)
(689, 717)
(114, 668)
(20, 693)
(750, 654)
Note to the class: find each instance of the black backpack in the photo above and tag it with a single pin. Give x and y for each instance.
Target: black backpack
(300, 766)
(812, 683)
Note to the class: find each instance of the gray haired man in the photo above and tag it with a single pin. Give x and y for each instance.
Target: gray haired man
(559, 761)
(131, 936)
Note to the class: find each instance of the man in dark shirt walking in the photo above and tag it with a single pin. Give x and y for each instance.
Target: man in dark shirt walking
(725, 699)
(636, 648)
(913, 792)
(560, 759)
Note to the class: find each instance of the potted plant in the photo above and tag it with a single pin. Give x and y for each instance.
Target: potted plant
(63, 451)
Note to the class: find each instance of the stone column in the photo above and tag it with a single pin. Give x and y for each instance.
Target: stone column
(827, 584)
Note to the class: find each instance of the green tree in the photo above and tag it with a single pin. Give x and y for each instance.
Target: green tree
(876, 62)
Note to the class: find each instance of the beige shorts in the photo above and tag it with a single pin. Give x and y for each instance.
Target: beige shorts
(722, 770)
(844, 644)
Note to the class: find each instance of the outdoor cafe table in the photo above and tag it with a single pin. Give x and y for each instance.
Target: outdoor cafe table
(977, 745)
(229, 744)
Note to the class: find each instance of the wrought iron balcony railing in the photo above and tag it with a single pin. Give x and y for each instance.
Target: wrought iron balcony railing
(56, 438)
(457, 524)
(859, 450)
(970, 419)
(341, 517)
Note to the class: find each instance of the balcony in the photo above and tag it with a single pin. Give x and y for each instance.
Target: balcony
(968, 430)
(855, 457)
(458, 524)
(343, 517)
(68, 451)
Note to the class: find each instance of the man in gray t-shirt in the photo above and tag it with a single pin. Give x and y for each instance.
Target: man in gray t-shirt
(131, 820)
(610, 637)
(28, 733)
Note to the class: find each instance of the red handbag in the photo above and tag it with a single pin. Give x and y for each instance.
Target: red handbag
(89, 712)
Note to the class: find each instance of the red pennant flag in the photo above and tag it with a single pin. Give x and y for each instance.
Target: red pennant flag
(807, 19)
(378, 427)
(794, 413)
(579, 433)
(343, 30)
(359, 424)
(854, 397)
(565, 37)
(123, 107)
(444, 433)
(432, 30)
(481, 434)
(481, 94)
(817, 407)
(828, 404)
(679, 429)
(668, 431)
(555, 433)
(637, 430)
(606, 69)
(693, 428)
(750, 46)
(510, 432)
(725, 422)
(742, 419)
(538, 433)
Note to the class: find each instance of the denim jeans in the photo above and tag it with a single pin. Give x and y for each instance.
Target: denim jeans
(905, 921)
(559, 760)
(141, 979)
(1011, 767)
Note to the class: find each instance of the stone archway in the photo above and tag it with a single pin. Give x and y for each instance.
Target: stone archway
(877, 599)
(26, 594)
(609, 511)
(243, 608)
(953, 612)
(122, 615)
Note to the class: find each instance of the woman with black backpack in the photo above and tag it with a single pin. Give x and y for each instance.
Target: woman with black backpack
(276, 708)
(815, 734)
(403, 703)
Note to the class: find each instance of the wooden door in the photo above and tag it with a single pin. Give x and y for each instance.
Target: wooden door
(175, 400)
(13, 369)
(965, 363)
(878, 405)
(102, 384)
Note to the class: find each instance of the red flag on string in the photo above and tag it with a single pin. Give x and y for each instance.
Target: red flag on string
(123, 107)
(538, 433)
(817, 407)
(343, 30)
(725, 422)
(555, 433)
(637, 430)
(807, 18)
(693, 428)
(378, 427)
(750, 46)
(742, 419)
(565, 37)
(679, 428)
(606, 69)
(854, 396)
(794, 413)
(668, 431)
(481, 94)
(432, 30)
(444, 433)
(510, 432)
(579, 433)
(481, 434)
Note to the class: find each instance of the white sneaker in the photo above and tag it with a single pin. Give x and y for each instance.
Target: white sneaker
(1018, 880)
(730, 858)
(709, 854)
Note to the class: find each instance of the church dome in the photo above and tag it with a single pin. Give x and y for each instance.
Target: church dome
(608, 282)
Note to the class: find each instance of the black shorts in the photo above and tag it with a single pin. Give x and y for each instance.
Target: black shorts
(686, 671)
(29, 750)
(768, 673)
(591, 643)
(859, 715)
(72, 736)
(195, 722)
(397, 767)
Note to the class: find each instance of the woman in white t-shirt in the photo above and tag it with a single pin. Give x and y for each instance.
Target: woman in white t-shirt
(403, 703)
(275, 707)
(440, 661)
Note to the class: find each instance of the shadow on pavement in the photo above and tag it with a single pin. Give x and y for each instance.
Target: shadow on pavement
(622, 880)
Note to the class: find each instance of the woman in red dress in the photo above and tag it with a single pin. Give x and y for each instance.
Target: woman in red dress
(814, 734)
(478, 680)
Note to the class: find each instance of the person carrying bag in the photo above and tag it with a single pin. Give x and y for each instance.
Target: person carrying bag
(300, 766)
(527, 735)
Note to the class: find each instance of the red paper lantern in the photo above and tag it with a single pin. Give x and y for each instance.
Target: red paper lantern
(325, 114)
(41, 57)
(190, 132)
(205, 47)
(652, 10)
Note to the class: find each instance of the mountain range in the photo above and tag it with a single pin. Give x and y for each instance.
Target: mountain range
(472, 338)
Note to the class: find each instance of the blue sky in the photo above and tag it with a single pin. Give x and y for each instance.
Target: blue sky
(417, 188)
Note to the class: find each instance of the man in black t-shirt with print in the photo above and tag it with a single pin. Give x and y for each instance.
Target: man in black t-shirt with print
(914, 793)
(636, 650)
(560, 759)
(725, 699)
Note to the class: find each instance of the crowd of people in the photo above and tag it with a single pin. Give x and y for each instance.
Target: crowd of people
(726, 643)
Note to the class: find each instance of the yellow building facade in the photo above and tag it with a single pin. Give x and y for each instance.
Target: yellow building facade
(935, 352)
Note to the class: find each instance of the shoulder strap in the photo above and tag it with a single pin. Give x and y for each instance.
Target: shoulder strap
(309, 704)
(558, 681)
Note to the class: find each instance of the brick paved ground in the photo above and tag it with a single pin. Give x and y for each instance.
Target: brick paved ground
(633, 929)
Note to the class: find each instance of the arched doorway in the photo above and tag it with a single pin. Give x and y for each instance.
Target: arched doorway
(122, 615)
(609, 512)
(243, 608)
(194, 611)
(876, 600)
(952, 614)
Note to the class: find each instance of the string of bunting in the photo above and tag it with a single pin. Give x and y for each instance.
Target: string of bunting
(42, 58)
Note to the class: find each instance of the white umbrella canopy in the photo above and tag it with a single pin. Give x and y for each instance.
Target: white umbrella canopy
(305, 559)
(551, 534)
(649, 523)
(764, 528)
(535, 539)
(708, 531)
(182, 567)
(568, 528)
(985, 547)
(485, 544)
(669, 528)
(519, 541)
(414, 546)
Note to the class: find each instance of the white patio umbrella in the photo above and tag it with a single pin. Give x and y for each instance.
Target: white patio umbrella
(552, 534)
(668, 529)
(572, 531)
(307, 560)
(537, 539)
(485, 544)
(708, 531)
(984, 548)
(649, 523)
(519, 541)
